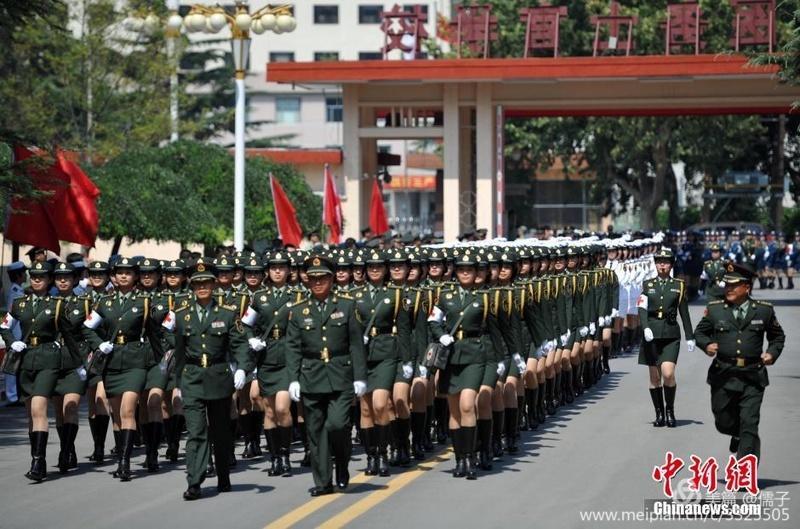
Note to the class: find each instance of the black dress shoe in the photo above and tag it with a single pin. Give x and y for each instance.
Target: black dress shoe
(734, 446)
(192, 493)
(321, 491)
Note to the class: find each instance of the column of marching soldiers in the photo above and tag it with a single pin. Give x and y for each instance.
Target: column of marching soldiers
(530, 326)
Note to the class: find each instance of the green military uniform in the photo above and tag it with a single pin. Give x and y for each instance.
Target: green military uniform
(659, 305)
(206, 339)
(125, 321)
(325, 357)
(737, 375)
(384, 312)
(40, 319)
(713, 270)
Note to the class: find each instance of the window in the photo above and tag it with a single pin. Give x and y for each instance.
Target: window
(370, 56)
(333, 109)
(326, 56)
(281, 56)
(326, 14)
(287, 109)
(370, 14)
(409, 8)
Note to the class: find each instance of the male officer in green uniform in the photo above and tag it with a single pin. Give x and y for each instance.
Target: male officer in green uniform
(732, 332)
(206, 335)
(711, 277)
(326, 362)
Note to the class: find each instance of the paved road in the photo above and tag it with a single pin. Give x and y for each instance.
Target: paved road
(596, 455)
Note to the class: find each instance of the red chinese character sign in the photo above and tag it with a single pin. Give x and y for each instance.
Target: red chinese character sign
(404, 31)
(754, 24)
(741, 475)
(685, 27)
(611, 30)
(542, 27)
(475, 28)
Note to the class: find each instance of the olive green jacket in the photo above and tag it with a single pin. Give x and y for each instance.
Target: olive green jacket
(659, 306)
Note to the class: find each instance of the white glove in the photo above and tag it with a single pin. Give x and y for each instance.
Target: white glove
(18, 346)
(294, 391)
(106, 347)
(648, 335)
(550, 346)
(592, 328)
(359, 388)
(601, 320)
(81, 373)
(614, 313)
(520, 362)
(423, 371)
(690, 345)
(501, 369)
(239, 379)
(583, 331)
(257, 344)
(83, 283)
(446, 340)
(564, 339)
(408, 371)
(366, 339)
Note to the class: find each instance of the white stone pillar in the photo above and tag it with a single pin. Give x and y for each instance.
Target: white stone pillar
(451, 189)
(485, 187)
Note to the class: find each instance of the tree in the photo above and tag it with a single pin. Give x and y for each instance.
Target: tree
(631, 156)
(183, 191)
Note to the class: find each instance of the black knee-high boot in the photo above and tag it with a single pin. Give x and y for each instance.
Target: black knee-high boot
(38, 470)
(246, 428)
(511, 426)
(485, 443)
(93, 430)
(606, 356)
(549, 388)
(402, 434)
(123, 471)
(456, 438)
(382, 432)
(530, 407)
(285, 440)
(442, 420)
(99, 438)
(369, 441)
(72, 457)
(418, 435)
(657, 395)
(429, 433)
(669, 399)
(541, 409)
(469, 434)
(522, 416)
(497, 433)
(256, 427)
(62, 452)
(274, 451)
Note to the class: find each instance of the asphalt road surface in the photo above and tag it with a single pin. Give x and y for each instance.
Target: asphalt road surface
(596, 455)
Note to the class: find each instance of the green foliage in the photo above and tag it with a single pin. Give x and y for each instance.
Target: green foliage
(184, 191)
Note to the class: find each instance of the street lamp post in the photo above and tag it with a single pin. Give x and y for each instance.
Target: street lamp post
(277, 19)
(204, 19)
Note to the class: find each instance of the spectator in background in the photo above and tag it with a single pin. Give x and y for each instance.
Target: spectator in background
(17, 275)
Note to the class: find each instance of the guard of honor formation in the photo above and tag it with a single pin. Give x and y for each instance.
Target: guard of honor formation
(399, 349)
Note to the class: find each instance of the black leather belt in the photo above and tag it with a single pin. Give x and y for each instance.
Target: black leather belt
(205, 361)
(739, 361)
(460, 335)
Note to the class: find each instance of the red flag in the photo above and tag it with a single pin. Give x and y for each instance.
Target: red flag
(75, 210)
(285, 215)
(377, 215)
(331, 208)
(30, 222)
(68, 214)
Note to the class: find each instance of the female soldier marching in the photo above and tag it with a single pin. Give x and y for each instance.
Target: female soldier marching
(461, 318)
(660, 303)
(117, 329)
